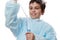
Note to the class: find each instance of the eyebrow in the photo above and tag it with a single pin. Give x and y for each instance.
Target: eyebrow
(35, 6)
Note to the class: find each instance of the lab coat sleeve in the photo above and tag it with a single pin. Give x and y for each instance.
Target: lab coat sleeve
(12, 21)
(49, 35)
(39, 37)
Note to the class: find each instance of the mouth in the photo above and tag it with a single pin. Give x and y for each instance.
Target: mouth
(33, 14)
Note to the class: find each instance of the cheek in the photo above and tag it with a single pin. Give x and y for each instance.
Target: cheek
(39, 12)
(29, 12)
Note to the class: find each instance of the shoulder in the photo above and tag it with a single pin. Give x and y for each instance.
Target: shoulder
(46, 25)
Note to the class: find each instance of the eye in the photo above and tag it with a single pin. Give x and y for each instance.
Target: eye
(37, 7)
(30, 8)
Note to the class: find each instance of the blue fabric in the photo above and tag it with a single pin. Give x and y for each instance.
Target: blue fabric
(19, 26)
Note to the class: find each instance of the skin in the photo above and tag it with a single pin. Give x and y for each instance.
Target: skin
(35, 12)
(30, 36)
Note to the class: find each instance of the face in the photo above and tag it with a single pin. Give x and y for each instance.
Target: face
(35, 10)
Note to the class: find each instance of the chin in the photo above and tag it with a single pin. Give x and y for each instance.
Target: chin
(33, 17)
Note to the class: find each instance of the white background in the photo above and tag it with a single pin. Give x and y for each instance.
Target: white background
(51, 16)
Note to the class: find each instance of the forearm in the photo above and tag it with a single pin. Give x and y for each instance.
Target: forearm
(12, 21)
(11, 13)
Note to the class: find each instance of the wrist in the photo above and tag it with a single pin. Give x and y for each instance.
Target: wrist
(14, 1)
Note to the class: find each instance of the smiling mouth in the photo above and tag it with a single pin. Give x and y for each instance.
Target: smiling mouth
(33, 14)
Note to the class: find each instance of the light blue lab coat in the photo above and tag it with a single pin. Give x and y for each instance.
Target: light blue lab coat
(18, 26)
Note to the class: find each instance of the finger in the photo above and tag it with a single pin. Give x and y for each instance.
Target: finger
(14, 1)
(28, 33)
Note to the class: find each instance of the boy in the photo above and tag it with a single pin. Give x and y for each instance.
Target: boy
(38, 29)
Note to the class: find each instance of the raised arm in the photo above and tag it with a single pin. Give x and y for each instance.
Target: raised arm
(12, 21)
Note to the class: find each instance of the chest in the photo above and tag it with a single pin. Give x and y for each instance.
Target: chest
(36, 28)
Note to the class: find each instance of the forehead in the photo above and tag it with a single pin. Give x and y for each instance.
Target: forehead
(34, 4)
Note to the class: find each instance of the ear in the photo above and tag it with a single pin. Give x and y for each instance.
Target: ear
(43, 12)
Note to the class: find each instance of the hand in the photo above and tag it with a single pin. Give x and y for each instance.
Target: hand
(14, 1)
(30, 36)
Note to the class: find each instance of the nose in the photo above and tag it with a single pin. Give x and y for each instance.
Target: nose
(33, 10)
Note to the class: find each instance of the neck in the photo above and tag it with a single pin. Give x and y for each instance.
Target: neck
(35, 18)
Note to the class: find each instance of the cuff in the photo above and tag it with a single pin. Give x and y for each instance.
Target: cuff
(13, 1)
(37, 37)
